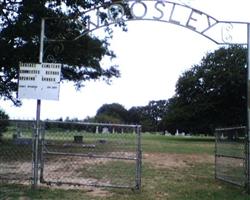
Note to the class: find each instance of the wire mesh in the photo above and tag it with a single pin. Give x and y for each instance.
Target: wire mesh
(230, 155)
(16, 151)
(90, 154)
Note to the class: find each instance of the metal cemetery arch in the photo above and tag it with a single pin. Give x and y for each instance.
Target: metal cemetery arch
(161, 11)
(155, 10)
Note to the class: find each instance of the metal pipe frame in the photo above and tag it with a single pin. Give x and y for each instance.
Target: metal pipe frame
(87, 184)
(37, 133)
(90, 155)
(226, 156)
(229, 181)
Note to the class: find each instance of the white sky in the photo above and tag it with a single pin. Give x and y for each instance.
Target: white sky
(151, 56)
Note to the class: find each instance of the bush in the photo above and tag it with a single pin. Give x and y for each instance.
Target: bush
(3, 123)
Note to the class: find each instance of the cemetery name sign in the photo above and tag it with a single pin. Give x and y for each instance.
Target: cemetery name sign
(118, 12)
(157, 10)
(39, 81)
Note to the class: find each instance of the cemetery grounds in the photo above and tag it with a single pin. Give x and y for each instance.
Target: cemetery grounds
(174, 168)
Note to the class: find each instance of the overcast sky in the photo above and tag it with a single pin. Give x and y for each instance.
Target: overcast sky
(151, 56)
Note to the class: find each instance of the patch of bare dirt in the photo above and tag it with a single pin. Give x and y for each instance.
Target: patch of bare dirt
(98, 192)
(68, 167)
(91, 191)
(164, 160)
(16, 169)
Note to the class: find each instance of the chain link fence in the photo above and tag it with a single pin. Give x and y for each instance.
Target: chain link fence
(16, 151)
(73, 153)
(231, 157)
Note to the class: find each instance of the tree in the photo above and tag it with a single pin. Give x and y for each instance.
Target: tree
(19, 37)
(211, 94)
(149, 116)
(106, 118)
(3, 123)
(156, 111)
(112, 113)
(140, 115)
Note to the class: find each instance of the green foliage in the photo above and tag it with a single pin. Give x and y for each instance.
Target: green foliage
(139, 115)
(67, 125)
(3, 115)
(3, 123)
(20, 24)
(111, 113)
(149, 116)
(211, 94)
(106, 118)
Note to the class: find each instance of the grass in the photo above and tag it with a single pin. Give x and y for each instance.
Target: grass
(14, 153)
(195, 181)
(163, 144)
(120, 172)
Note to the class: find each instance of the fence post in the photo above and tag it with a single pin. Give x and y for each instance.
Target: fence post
(215, 153)
(35, 158)
(41, 151)
(138, 159)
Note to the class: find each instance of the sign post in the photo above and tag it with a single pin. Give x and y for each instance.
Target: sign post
(38, 114)
(39, 81)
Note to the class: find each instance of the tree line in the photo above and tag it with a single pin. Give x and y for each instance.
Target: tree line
(210, 94)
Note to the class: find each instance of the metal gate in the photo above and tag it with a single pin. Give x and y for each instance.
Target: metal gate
(92, 154)
(231, 155)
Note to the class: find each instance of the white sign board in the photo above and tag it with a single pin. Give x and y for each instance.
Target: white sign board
(39, 81)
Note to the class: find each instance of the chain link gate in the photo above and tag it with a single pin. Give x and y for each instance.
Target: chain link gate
(92, 154)
(231, 155)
